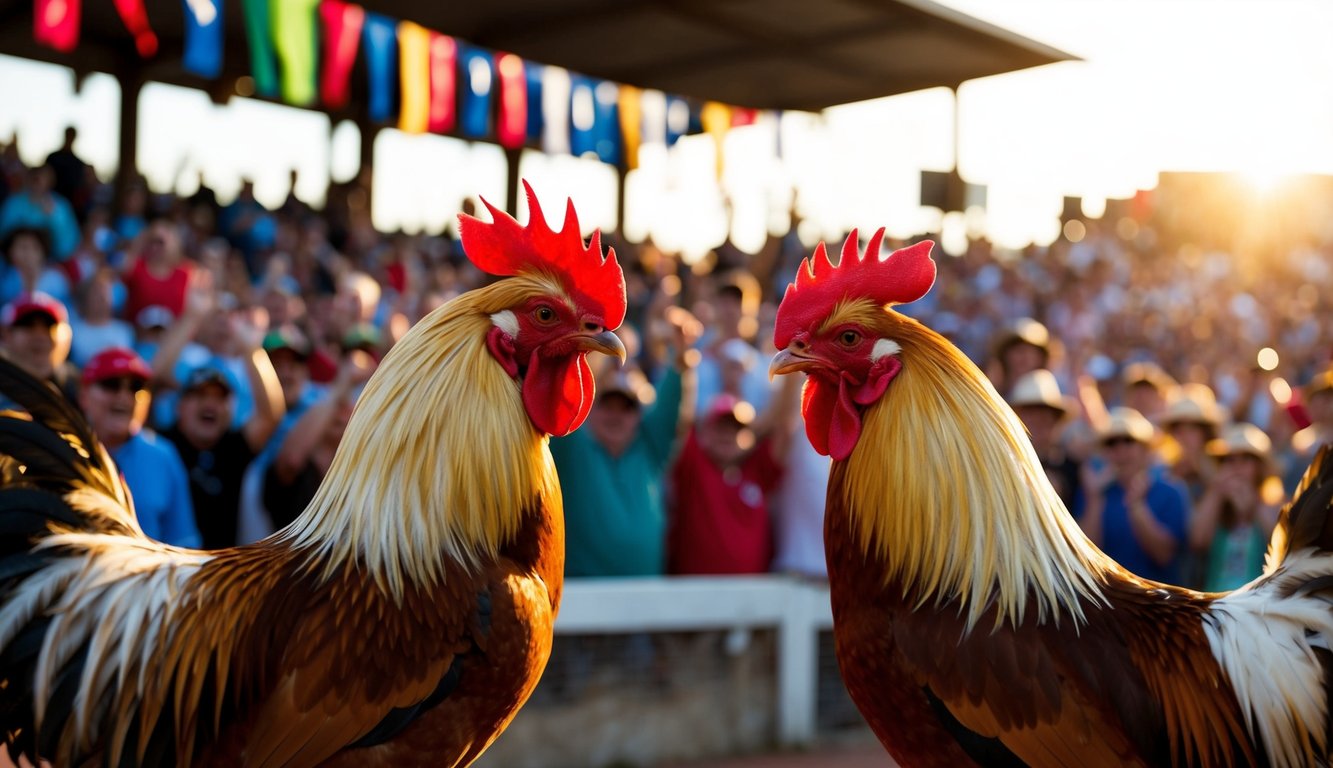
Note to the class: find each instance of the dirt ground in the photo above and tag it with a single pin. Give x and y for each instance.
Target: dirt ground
(866, 756)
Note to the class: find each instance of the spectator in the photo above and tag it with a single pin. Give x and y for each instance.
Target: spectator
(611, 470)
(37, 339)
(248, 225)
(115, 398)
(151, 324)
(156, 272)
(214, 453)
(1037, 400)
(307, 450)
(735, 307)
(1307, 442)
(798, 501)
(95, 327)
(27, 268)
(1022, 347)
(1148, 389)
(132, 218)
(722, 480)
(289, 353)
(37, 206)
(1191, 420)
(71, 173)
(1234, 519)
(1136, 516)
(211, 330)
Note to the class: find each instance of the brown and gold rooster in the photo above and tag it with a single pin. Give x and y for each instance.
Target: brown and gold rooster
(402, 619)
(975, 624)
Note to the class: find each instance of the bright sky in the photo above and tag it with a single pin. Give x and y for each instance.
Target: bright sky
(1232, 85)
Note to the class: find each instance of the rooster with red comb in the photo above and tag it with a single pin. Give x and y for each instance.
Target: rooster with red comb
(974, 622)
(402, 619)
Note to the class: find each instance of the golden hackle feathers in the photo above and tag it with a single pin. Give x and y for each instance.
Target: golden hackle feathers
(946, 488)
(438, 404)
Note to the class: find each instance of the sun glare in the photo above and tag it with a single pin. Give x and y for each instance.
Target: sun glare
(1265, 181)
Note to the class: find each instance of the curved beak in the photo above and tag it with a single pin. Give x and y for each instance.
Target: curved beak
(606, 342)
(787, 361)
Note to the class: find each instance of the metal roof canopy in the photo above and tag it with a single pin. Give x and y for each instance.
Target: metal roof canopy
(769, 54)
(766, 54)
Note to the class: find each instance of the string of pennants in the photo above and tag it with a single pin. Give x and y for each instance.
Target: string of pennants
(303, 52)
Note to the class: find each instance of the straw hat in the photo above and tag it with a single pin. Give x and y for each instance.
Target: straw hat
(1322, 382)
(1147, 372)
(1193, 404)
(1023, 331)
(1038, 387)
(1242, 438)
(1127, 422)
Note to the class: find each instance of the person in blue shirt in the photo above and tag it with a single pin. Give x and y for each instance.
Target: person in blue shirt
(115, 399)
(1136, 513)
(38, 207)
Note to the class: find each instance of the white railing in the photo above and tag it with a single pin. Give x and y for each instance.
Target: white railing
(796, 610)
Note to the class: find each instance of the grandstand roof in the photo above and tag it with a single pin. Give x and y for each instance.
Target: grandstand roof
(772, 54)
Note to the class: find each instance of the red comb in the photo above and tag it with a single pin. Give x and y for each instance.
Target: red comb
(504, 247)
(904, 276)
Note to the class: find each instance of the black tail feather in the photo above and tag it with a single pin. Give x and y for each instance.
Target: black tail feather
(45, 454)
(1306, 519)
(54, 477)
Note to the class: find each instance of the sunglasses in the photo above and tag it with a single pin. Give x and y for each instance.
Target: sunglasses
(1117, 441)
(121, 384)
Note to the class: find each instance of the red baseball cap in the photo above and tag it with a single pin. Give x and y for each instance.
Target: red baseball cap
(36, 302)
(115, 362)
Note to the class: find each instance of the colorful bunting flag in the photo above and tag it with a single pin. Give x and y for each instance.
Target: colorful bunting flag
(677, 119)
(55, 23)
(631, 123)
(294, 33)
(741, 116)
(512, 129)
(555, 110)
(478, 84)
(716, 119)
(443, 83)
(342, 24)
(653, 123)
(414, 72)
(263, 60)
(203, 38)
(135, 16)
(380, 40)
(534, 74)
(582, 116)
(606, 121)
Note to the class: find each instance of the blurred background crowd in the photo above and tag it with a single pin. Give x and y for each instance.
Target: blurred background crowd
(1174, 391)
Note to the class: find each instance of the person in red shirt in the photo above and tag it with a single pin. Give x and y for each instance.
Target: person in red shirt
(157, 273)
(722, 479)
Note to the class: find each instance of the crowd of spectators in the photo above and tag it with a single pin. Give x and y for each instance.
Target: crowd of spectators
(227, 343)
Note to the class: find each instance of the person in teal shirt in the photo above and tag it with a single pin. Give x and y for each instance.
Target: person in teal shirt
(1234, 519)
(612, 471)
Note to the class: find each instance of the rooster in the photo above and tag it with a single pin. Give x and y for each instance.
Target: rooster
(402, 619)
(974, 622)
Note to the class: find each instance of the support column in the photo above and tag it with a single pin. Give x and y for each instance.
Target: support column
(513, 188)
(365, 174)
(131, 81)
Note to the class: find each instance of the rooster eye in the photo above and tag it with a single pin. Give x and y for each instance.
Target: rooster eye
(849, 338)
(544, 315)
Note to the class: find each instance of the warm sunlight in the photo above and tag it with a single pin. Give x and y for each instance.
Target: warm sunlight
(1150, 95)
